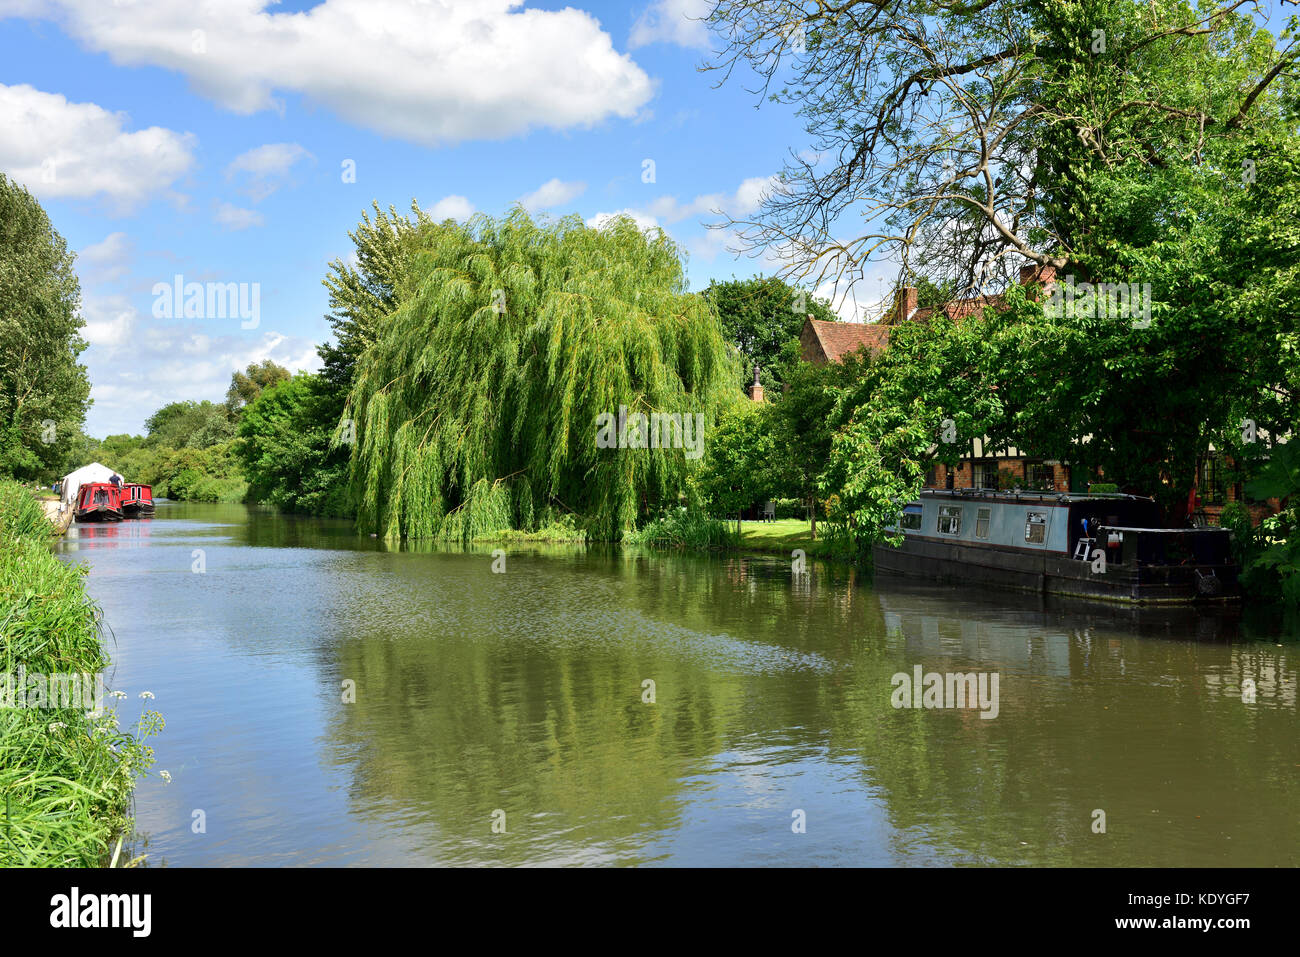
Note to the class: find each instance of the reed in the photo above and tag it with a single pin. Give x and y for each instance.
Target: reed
(66, 777)
(686, 528)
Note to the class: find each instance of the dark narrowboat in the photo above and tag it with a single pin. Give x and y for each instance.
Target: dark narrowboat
(99, 502)
(137, 500)
(1089, 546)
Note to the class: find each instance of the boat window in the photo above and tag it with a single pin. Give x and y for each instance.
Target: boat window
(982, 522)
(911, 518)
(1036, 528)
(950, 519)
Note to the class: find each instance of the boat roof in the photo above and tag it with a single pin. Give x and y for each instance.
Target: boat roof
(1030, 495)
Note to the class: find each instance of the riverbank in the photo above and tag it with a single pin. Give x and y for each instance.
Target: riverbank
(524, 691)
(66, 775)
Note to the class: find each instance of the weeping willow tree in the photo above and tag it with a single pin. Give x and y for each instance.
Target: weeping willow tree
(478, 408)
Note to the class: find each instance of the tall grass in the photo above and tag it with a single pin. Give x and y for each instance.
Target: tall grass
(66, 777)
(684, 528)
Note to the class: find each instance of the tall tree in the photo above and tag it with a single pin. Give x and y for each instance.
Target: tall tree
(496, 390)
(246, 386)
(189, 424)
(365, 288)
(759, 317)
(1116, 143)
(286, 449)
(44, 392)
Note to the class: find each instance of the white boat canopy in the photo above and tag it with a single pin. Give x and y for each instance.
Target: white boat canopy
(94, 472)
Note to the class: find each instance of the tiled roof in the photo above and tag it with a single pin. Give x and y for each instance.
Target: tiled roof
(839, 339)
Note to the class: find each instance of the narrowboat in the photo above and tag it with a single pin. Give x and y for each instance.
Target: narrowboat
(1101, 546)
(137, 500)
(99, 502)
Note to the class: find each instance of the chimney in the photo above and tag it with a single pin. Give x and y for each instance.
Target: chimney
(905, 304)
(1044, 275)
(755, 390)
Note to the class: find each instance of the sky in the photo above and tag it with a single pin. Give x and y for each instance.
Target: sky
(238, 141)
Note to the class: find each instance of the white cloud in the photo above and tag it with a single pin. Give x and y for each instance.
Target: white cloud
(668, 209)
(265, 169)
(745, 201)
(643, 221)
(552, 193)
(110, 320)
(428, 72)
(235, 218)
(106, 260)
(451, 207)
(64, 150)
(154, 363)
(672, 21)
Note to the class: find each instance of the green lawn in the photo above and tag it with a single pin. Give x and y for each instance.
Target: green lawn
(782, 536)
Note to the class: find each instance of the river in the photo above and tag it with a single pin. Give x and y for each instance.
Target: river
(503, 717)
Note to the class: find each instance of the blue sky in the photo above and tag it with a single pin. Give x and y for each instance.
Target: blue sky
(210, 140)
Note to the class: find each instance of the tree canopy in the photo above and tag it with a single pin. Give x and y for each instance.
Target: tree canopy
(760, 316)
(479, 406)
(44, 392)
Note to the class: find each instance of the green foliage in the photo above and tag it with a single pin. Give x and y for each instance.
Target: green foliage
(20, 514)
(190, 424)
(246, 386)
(66, 778)
(761, 317)
(740, 467)
(44, 393)
(684, 528)
(1271, 553)
(364, 290)
(878, 461)
(210, 474)
(557, 528)
(800, 418)
(477, 409)
(284, 446)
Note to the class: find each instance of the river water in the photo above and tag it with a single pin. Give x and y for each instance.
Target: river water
(500, 717)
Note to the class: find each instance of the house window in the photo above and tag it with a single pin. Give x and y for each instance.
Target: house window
(1036, 528)
(1042, 477)
(982, 523)
(986, 475)
(1210, 481)
(911, 518)
(950, 519)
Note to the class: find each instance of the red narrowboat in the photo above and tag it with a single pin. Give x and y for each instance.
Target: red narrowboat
(137, 500)
(99, 502)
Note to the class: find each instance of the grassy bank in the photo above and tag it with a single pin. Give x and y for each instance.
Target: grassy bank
(784, 536)
(66, 777)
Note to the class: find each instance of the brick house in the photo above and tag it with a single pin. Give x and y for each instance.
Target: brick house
(980, 467)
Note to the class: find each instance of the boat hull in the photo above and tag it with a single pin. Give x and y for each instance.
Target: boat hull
(99, 514)
(1054, 573)
(138, 510)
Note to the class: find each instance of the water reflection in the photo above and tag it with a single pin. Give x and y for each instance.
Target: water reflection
(525, 693)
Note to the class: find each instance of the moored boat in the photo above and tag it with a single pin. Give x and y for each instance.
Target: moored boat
(99, 502)
(1090, 546)
(137, 500)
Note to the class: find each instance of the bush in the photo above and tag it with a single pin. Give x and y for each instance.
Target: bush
(66, 777)
(684, 528)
